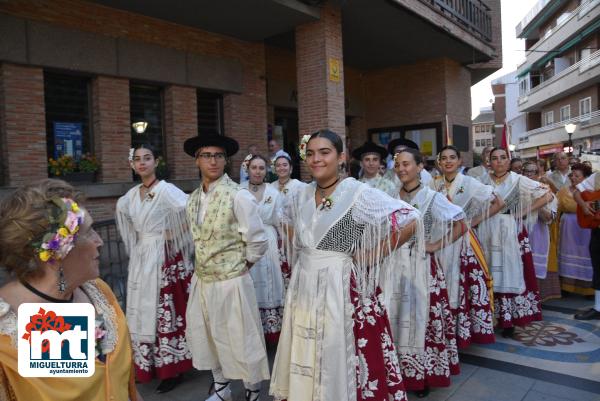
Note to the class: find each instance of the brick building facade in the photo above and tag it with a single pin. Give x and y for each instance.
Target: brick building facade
(308, 69)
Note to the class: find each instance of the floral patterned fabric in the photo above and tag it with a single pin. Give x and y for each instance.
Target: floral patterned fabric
(520, 309)
(378, 376)
(474, 317)
(434, 366)
(169, 355)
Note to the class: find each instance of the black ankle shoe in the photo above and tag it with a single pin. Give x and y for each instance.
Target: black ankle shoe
(589, 314)
(508, 332)
(168, 384)
(422, 393)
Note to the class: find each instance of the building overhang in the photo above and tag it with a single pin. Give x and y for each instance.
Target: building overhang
(251, 20)
(376, 34)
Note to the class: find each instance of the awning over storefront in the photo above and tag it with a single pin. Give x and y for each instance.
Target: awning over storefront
(528, 153)
(550, 149)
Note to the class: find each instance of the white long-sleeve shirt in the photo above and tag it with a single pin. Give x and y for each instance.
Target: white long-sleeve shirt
(246, 213)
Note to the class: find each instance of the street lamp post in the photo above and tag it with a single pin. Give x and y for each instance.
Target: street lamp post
(570, 128)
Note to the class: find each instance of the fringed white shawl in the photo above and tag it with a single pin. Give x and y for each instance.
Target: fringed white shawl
(475, 199)
(153, 230)
(499, 234)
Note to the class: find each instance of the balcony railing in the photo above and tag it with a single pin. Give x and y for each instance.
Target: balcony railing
(581, 121)
(582, 65)
(535, 10)
(471, 14)
(579, 12)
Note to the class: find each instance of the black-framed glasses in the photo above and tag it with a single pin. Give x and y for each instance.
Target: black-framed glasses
(207, 156)
(529, 172)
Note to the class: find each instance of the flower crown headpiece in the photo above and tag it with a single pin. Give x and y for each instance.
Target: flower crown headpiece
(246, 162)
(302, 146)
(396, 155)
(65, 218)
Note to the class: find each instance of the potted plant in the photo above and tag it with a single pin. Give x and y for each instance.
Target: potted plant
(68, 169)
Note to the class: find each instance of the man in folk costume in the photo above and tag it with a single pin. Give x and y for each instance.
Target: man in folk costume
(224, 330)
(396, 146)
(559, 177)
(483, 168)
(370, 156)
(592, 183)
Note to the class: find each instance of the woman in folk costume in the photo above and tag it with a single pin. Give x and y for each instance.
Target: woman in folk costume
(543, 246)
(287, 186)
(336, 342)
(266, 272)
(468, 279)
(574, 260)
(152, 222)
(282, 165)
(422, 322)
(506, 244)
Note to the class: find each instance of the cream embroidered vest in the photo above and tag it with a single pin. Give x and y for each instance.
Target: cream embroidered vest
(220, 251)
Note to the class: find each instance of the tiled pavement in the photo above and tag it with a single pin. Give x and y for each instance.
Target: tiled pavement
(475, 383)
(484, 377)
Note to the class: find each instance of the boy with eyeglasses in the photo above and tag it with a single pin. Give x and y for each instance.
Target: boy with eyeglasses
(224, 330)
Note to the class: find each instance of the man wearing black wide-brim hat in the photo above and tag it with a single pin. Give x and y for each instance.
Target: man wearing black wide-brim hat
(370, 156)
(396, 146)
(224, 330)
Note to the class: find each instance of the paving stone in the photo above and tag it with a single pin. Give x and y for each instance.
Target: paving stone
(492, 385)
(537, 396)
(564, 391)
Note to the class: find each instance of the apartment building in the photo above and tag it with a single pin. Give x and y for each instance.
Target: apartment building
(559, 81)
(483, 127)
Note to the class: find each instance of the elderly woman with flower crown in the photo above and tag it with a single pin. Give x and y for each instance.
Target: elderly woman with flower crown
(50, 250)
(152, 222)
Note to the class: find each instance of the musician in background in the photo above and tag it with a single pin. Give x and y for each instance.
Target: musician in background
(592, 183)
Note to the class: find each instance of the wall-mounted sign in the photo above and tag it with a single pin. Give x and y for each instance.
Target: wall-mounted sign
(335, 75)
(68, 139)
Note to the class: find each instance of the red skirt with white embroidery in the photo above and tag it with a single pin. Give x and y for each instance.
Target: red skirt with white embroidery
(378, 376)
(474, 316)
(169, 355)
(440, 357)
(520, 309)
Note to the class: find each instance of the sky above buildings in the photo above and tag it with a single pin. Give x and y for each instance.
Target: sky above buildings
(513, 52)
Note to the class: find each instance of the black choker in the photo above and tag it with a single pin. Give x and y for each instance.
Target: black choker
(149, 186)
(45, 296)
(502, 176)
(412, 190)
(449, 181)
(329, 186)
